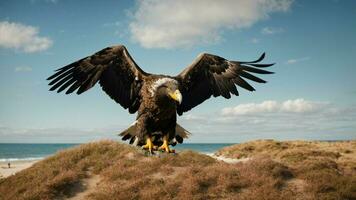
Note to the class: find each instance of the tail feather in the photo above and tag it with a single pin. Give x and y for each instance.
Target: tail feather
(131, 132)
(181, 133)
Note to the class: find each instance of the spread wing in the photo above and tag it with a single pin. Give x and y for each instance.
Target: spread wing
(213, 75)
(118, 74)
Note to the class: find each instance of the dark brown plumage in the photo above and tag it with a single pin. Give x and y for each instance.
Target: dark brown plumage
(213, 75)
(157, 98)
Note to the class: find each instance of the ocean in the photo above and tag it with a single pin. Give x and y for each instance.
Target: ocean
(27, 152)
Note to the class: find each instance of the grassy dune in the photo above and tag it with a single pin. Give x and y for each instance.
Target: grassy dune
(321, 170)
(110, 170)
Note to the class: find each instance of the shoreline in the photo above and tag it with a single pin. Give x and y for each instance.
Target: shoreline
(16, 166)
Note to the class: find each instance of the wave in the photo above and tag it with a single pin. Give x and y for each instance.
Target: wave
(20, 159)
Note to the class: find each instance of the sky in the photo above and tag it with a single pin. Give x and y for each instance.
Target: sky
(312, 94)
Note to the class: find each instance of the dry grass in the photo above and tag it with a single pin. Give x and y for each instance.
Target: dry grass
(58, 174)
(322, 170)
(126, 173)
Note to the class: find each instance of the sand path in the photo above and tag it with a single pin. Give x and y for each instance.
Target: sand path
(86, 187)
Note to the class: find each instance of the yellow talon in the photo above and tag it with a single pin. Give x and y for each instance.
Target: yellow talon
(165, 145)
(148, 145)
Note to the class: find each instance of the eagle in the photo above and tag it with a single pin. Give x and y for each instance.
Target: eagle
(157, 99)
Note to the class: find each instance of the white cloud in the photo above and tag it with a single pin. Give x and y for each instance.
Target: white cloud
(301, 106)
(297, 60)
(250, 108)
(271, 30)
(22, 37)
(23, 69)
(291, 119)
(184, 23)
(293, 106)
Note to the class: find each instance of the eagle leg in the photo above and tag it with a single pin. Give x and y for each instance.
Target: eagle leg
(149, 145)
(165, 145)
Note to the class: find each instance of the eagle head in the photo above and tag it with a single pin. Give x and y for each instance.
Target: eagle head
(167, 87)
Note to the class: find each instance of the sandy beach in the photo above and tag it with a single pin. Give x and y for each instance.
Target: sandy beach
(15, 167)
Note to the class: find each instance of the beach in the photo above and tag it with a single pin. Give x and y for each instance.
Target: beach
(15, 167)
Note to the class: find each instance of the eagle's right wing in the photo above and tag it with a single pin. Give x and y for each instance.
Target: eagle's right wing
(212, 75)
(118, 74)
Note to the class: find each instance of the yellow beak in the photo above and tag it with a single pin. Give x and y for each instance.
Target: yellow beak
(176, 95)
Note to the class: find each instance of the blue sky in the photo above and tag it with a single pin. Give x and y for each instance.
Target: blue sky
(312, 95)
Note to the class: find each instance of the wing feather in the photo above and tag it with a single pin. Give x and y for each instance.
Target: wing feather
(115, 70)
(255, 70)
(251, 77)
(211, 75)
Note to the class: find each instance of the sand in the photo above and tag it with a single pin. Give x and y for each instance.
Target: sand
(229, 160)
(16, 166)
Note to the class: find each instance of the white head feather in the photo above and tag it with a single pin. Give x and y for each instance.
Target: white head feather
(158, 83)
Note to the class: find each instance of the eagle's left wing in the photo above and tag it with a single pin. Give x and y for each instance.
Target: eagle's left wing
(213, 75)
(118, 74)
